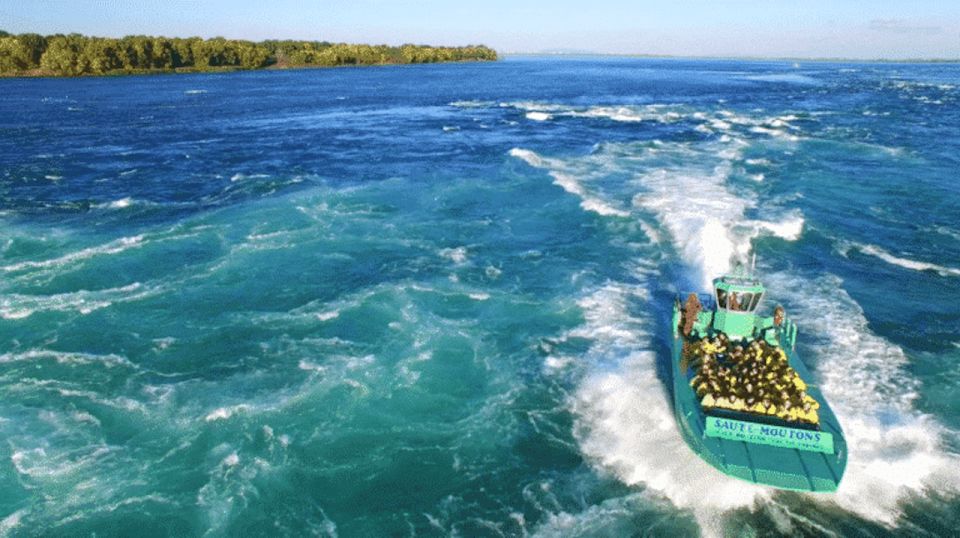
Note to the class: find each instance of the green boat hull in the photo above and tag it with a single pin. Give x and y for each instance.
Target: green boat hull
(780, 467)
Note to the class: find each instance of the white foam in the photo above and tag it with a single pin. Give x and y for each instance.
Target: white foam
(472, 104)
(223, 413)
(894, 450)
(949, 232)
(568, 182)
(700, 215)
(906, 263)
(113, 247)
(62, 357)
(556, 363)
(456, 255)
(53, 177)
(241, 176)
(625, 421)
(528, 157)
(788, 228)
(327, 316)
(11, 522)
(450, 128)
(629, 114)
(17, 306)
(194, 92)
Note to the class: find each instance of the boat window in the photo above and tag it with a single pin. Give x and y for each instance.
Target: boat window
(745, 299)
(721, 298)
(756, 301)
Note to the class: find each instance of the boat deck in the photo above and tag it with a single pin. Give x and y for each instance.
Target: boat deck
(785, 468)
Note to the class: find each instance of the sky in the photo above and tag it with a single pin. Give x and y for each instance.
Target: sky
(892, 29)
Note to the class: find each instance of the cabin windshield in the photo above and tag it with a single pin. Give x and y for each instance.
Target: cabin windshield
(738, 301)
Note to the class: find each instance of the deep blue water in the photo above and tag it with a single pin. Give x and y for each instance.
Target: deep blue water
(434, 300)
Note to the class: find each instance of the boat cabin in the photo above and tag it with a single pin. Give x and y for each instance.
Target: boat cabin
(737, 298)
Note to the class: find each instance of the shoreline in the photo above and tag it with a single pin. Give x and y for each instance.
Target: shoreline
(30, 55)
(934, 61)
(39, 73)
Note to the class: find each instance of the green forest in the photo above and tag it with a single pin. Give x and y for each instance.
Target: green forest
(75, 54)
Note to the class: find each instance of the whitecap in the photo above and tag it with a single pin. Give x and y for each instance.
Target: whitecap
(11, 522)
(625, 422)
(788, 228)
(456, 255)
(17, 306)
(113, 247)
(895, 451)
(223, 413)
(568, 183)
(327, 316)
(906, 263)
(472, 104)
(538, 116)
(121, 203)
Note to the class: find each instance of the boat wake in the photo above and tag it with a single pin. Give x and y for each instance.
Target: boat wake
(625, 423)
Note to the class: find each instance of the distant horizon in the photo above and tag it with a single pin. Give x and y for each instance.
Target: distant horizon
(884, 30)
(574, 54)
(559, 52)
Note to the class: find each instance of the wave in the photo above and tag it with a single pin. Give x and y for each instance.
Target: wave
(895, 451)
(568, 183)
(11, 522)
(906, 263)
(625, 421)
(456, 255)
(113, 247)
(472, 104)
(18, 306)
(627, 114)
(706, 219)
(124, 203)
(71, 358)
(242, 177)
(722, 121)
(789, 78)
(684, 186)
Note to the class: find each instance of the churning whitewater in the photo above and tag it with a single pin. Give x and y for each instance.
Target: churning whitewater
(436, 300)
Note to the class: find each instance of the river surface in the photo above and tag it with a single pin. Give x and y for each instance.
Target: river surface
(435, 300)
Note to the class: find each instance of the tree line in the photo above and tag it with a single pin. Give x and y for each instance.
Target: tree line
(75, 54)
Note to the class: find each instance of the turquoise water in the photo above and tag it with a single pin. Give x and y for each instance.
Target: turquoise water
(435, 300)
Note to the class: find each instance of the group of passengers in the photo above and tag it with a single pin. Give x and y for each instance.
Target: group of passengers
(752, 378)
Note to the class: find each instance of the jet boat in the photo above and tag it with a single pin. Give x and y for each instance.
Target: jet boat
(744, 401)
